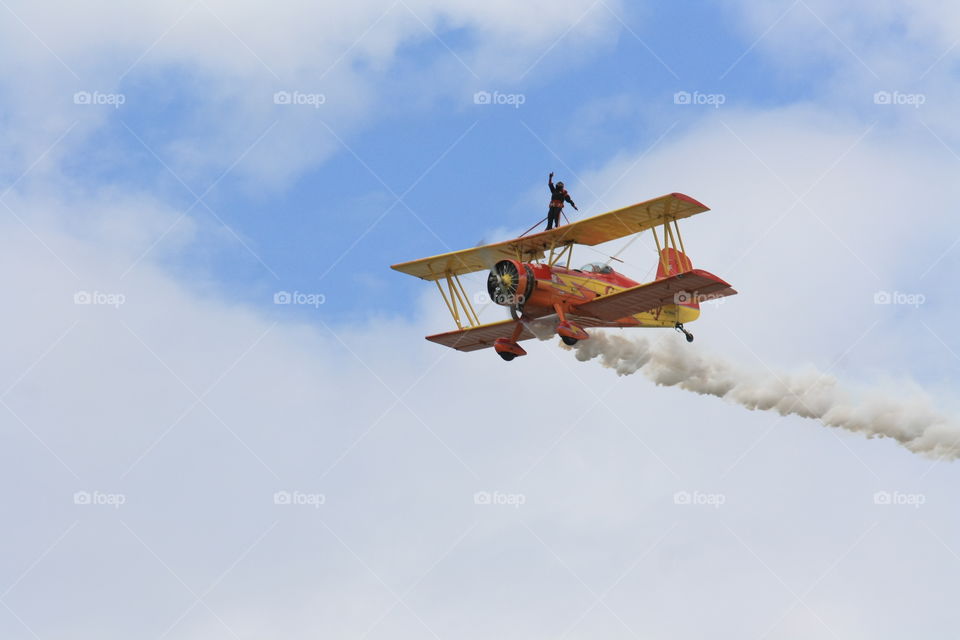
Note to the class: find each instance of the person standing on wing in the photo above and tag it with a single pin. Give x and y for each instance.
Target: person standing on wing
(558, 195)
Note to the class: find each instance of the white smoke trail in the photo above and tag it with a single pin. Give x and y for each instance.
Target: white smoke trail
(808, 394)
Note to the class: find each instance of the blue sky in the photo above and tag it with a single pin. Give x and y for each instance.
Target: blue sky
(584, 104)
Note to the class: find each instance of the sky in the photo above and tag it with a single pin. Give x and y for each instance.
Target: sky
(182, 457)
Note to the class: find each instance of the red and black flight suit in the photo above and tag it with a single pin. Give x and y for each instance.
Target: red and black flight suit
(558, 196)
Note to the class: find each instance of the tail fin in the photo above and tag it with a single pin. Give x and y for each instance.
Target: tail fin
(675, 262)
(678, 262)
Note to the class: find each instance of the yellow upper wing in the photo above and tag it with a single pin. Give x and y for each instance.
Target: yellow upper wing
(596, 230)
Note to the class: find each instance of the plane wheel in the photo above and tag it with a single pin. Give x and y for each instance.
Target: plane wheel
(506, 355)
(569, 341)
(689, 337)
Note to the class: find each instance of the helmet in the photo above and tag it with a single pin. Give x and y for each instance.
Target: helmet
(560, 185)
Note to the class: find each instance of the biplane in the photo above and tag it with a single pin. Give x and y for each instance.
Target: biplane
(532, 276)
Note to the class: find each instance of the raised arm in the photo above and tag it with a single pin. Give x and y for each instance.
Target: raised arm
(550, 182)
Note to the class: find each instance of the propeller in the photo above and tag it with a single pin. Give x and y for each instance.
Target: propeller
(503, 282)
(510, 284)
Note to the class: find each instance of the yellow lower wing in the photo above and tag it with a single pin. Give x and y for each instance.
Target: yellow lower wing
(479, 337)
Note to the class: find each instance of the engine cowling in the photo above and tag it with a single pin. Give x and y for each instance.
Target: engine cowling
(511, 283)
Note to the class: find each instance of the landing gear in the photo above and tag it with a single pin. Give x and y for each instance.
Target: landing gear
(568, 332)
(507, 348)
(687, 334)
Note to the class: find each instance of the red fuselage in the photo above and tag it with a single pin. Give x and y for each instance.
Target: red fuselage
(569, 287)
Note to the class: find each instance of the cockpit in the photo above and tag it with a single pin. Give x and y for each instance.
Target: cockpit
(596, 267)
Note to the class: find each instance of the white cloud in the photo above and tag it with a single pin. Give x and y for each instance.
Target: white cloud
(300, 412)
(845, 52)
(219, 64)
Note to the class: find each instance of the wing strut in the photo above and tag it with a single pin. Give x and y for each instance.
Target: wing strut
(458, 302)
